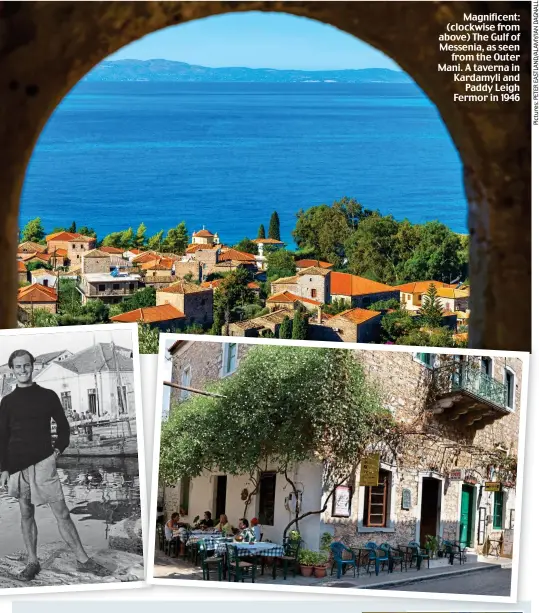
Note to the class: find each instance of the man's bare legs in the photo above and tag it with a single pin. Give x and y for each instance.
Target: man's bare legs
(67, 529)
(29, 529)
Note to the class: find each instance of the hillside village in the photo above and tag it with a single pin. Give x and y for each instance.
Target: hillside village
(256, 288)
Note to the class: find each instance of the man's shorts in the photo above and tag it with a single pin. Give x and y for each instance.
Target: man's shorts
(38, 484)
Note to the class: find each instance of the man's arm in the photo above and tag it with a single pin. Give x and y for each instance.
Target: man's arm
(4, 435)
(62, 425)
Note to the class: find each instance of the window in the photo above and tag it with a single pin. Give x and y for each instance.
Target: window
(509, 381)
(115, 286)
(101, 287)
(122, 399)
(486, 366)
(426, 358)
(92, 401)
(185, 484)
(186, 381)
(131, 286)
(497, 515)
(266, 498)
(313, 293)
(66, 401)
(230, 353)
(375, 511)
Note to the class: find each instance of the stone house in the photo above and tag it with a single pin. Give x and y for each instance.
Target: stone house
(99, 379)
(287, 300)
(37, 296)
(108, 287)
(195, 302)
(448, 482)
(256, 326)
(411, 294)
(358, 291)
(312, 282)
(164, 317)
(75, 244)
(43, 258)
(351, 326)
(45, 277)
(95, 260)
(31, 247)
(22, 272)
(453, 299)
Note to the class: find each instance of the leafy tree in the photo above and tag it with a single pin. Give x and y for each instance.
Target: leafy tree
(431, 311)
(274, 230)
(33, 231)
(148, 339)
(127, 238)
(142, 298)
(37, 264)
(285, 331)
(352, 210)
(311, 405)
(300, 325)
(87, 231)
(177, 239)
(193, 329)
(72, 228)
(261, 231)
(114, 239)
(385, 305)
(397, 324)
(246, 245)
(69, 298)
(231, 294)
(436, 337)
(140, 237)
(267, 333)
(155, 241)
(280, 264)
(41, 318)
(337, 306)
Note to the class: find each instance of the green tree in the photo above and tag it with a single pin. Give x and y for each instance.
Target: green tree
(311, 405)
(280, 264)
(246, 245)
(140, 237)
(385, 305)
(155, 241)
(148, 339)
(177, 239)
(431, 311)
(69, 298)
(231, 294)
(285, 331)
(41, 318)
(337, 306)
(300, 325)
(436, 337)
(127, 239)
(261, 231)
(397, 324)
(274, 230)
(72, 228)
(87, 231)
(141, 299)
(114, 239)
(33, 231)
(36, 265)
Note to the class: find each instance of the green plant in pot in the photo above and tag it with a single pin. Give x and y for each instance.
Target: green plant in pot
(307, 560)
(432, 545)
(325, 546)
(320, 560)
(294, 536)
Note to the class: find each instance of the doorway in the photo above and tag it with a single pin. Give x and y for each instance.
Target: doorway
(220, 496)
(430, 508)
(466, 516)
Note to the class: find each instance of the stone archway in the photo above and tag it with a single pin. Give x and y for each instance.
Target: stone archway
(47, 47)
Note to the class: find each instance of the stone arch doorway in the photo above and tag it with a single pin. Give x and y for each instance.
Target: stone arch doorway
(47, 47)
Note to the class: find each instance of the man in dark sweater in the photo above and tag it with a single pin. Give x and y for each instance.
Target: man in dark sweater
(28, 461)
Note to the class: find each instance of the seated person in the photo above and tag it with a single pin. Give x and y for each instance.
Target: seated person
(205, 523)
(256, 529)
(246, 534)
(224, 525)
(171, 525)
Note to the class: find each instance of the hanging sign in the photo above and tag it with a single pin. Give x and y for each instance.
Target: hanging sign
(406, 499)
(370, 469)
(342, 501)
(493, 486)
(457, 474)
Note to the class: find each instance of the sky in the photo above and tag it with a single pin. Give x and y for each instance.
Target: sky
(257, 40)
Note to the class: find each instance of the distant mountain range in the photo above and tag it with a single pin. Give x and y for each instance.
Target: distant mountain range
(167, 70)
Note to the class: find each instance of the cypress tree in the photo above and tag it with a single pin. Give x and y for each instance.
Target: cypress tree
(285, 331)
(274, 230)
(431, 311)
(299, 326)
(261, 231)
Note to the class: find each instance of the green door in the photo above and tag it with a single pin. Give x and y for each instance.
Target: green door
(466, 509)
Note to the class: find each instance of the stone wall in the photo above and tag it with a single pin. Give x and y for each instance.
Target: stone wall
(90, 264)
(192, 268)
(198, 307)
(319, 283)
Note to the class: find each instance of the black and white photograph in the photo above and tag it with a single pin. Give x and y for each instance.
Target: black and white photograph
(70, 438)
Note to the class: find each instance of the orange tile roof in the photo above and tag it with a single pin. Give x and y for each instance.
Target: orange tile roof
(37, 293)
(420, 286)
(203, 234)
(447, 292)
(60, 252)
(344, 284)
(182, 287)
(235, 255)
(357, 316)
(212, 284)
(69, 236)
(291, 298)
(309, 263)
(253, 285)
(96, 253)
(285, 280)
(115, 250)
(158, 264)
(267, 241)
(148, 315)
(43, 257)
(194, 247)
(145, 256)
(21, 266)
(31, 246)
(313, 270)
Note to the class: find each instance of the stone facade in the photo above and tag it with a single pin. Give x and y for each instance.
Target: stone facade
(340, 328)
(363, 301)
(107, 288)
(94, 262)
(196, 304)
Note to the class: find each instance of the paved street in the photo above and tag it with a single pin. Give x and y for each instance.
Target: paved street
(488, 583)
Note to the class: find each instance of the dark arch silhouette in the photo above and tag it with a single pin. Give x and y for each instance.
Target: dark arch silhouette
(49, 46)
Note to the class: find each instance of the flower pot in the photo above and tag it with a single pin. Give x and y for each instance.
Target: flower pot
(306, 571)
(320, 571)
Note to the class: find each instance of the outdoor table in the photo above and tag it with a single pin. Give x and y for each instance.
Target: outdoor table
(362, 556)
(211, 540)
(409, 552)
(268, 549)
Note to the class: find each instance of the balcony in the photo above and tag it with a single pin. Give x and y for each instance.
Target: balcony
(466, 395)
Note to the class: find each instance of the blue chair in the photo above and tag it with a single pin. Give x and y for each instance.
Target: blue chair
(419, 554)
(377, 555)
(395, 556)
(337, 550)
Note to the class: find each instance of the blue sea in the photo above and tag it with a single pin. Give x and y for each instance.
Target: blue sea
(225, 155)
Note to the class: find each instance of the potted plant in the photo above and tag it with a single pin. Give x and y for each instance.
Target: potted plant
(432, 545)
(294, 536)
(320, 560)
(325, 546)
(306, 561)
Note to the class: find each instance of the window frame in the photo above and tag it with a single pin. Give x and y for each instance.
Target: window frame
(507, 370)
(229, 366)
(497, 510)
(265, 477)
(367, 502)
(432, 359)
(184, 394)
